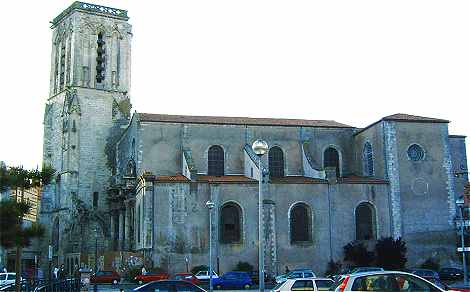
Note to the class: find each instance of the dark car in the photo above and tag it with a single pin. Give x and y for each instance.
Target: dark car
(254, 275)
(451, 274)
(430, 275)
(233, 280)
(105, 277)
(169, 285)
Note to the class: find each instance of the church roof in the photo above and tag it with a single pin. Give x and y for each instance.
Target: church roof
(404, 118)
(146, 117)
(411, 118)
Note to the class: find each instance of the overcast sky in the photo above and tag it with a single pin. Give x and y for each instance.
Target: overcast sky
(350, 61)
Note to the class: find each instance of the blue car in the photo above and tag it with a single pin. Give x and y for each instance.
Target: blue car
(169, 285)
(233, 280)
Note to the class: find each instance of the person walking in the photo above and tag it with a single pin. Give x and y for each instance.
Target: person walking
(55, 272)
(144, 271)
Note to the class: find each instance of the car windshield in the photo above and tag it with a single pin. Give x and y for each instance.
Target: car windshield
(278, 286)
(3, 277)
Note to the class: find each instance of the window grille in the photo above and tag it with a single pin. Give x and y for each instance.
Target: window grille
(95, 200)
(230, 222)
(368, 160)
(415, 152)
(215, 161)
(364, 222)
(100, 58)
(276, 162)
(300, 223)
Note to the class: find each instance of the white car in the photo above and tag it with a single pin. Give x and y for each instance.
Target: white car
(204, 275)
(304, 284)
(300, 273)
(7, 278)
(384, 281)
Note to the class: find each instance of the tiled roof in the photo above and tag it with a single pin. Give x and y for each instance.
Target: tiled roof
(404, 118)
(296, 180)
(145, 117)
(172, 178)
(411, 118)
(361, 180)
(225, 179)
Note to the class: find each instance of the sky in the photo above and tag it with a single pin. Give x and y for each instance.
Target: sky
(349, 61)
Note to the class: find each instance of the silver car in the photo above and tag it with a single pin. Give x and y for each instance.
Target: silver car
(300, 273)
(384, 281)
(305, 284)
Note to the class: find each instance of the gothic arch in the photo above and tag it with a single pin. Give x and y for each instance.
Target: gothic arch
(300, 223)
(365, 218)
(231, 222)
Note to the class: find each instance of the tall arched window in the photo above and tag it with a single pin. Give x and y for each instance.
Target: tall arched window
(276, 162)
(367, 160)
(230, 223)
(331, 159)
(365, 221)
(55, 235)
(300, 221)
(215, 161)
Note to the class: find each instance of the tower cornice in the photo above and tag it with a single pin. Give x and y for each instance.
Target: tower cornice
(92, 9)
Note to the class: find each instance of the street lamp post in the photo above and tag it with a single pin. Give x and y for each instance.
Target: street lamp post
(460, 204)
(260, 148)
(210, 205)
(95, 287)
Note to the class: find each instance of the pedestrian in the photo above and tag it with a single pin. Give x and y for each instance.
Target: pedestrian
(287, 270)
(61, 272)
(55, 271)
(144, 271)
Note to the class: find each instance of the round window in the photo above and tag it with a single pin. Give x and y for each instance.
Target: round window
(415, 152)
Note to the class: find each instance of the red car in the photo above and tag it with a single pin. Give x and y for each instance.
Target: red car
(149, 277)
(187, 277)
(105, 277)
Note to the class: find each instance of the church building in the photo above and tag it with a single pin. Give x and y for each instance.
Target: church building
(140, 182)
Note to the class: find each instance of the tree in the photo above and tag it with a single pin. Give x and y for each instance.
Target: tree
(391, 253)
(358, 254)
(14, 233)
(243, 267)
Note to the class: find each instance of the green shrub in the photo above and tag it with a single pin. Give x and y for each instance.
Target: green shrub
(391, 253)
(358, 254)
(333, 268)
(131, 273)
(243, 267)
(197, 269)
(431, 264)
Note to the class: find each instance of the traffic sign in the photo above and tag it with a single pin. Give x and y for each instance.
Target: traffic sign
(459, 249)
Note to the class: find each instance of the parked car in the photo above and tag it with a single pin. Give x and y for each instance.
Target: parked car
(105, 277)
(7, 278)
(151, 276)
(460, 288)
(365, 269)
(430, 275)
(298, 273)
(312, 284)
(383, 281)
(451, 274)
(169, 285)
(204, 275)
(254, 275)
(187, 277)
(233, 280)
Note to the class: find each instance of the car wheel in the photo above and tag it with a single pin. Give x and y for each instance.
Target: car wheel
(247, 286)
(218, 287)
(140, 282)
(115, 281)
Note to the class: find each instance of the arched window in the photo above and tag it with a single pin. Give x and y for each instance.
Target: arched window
(100, 58)
(215, 161)
(276, 162)
(230, 223)
(367, 159)
(300, 220)
(331, 159)
(365, 222)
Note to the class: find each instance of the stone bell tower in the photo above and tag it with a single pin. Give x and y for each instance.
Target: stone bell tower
(88, 106)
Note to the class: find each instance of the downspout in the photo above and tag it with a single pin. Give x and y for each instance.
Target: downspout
(329, 221)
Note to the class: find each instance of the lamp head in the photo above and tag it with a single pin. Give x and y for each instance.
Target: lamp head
(260, 147)
(210, 205)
